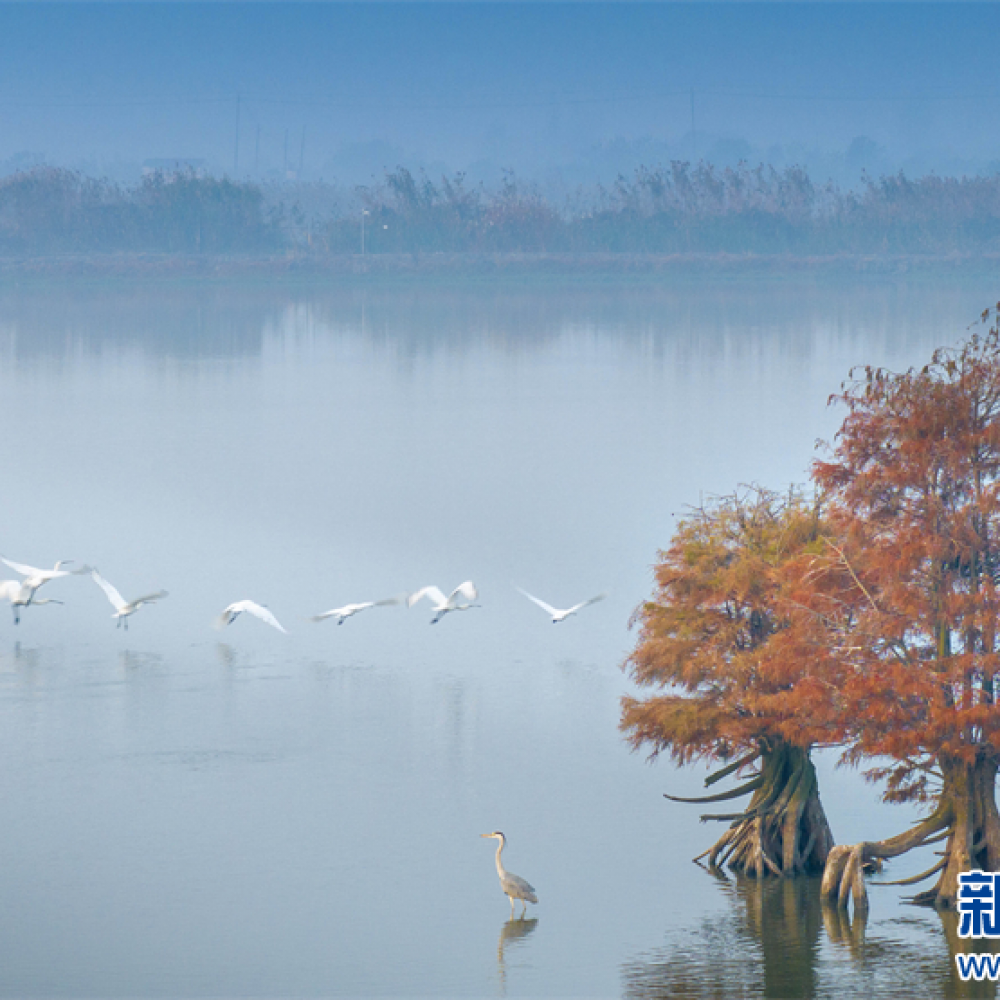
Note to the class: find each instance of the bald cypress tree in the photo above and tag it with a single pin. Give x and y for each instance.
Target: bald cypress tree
(728, 682)
(913, 492)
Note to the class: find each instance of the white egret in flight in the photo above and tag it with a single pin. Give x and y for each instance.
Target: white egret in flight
(33, 579)
(251, 607)
(561, 614)
(442, 604)
(122, 607)
(342, 614)
(15, 592)
(513, 885)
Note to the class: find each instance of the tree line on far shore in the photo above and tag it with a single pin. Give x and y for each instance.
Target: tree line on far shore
(677, 208)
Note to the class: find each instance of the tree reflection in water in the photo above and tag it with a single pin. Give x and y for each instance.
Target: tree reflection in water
(778, 939)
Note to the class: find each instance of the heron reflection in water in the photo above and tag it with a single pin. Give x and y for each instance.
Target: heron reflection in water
(515, 930)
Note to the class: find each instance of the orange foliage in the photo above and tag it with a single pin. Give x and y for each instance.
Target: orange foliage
(913, 495)
(733, 637)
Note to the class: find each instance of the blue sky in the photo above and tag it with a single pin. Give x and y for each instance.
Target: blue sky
(532, 86)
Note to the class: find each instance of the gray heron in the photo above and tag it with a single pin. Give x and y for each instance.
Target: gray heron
(513, 885)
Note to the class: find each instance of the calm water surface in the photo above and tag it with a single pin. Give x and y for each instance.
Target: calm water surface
(189, 813)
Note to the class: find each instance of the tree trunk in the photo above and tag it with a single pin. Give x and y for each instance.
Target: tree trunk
(783, 831)
(966, 818)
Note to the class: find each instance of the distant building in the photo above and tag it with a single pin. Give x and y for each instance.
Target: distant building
(172, 166)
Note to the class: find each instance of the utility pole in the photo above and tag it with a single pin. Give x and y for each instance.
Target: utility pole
(236, 151)
(694, 142)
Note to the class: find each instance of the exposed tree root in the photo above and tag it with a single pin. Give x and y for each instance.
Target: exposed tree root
(783, 831)
(966, 818)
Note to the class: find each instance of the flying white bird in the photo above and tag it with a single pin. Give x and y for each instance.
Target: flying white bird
(442, 604)
(342, 614)
(122, 607)
(19, 597)
(33, 579)
(561, 614)
(235, 610)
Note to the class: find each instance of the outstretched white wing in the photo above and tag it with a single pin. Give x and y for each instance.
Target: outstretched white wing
(386, 602)
(22, 568)
(583, 604)
(149, 598)
(467, 590)
(432, 592)
(332, 613)
(352, 609)
(345, 612)
(545, 607)
(44, 574)
(117, 601)
(259, 611)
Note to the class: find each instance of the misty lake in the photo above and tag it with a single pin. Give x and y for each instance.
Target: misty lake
(196, 813)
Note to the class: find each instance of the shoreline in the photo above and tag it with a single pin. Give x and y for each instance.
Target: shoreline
(489, 267)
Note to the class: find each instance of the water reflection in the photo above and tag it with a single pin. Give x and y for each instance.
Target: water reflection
(226, 654)
(25, 666)
(132, 660)
(766, 944)
(302, 434)
(846, 928)
(949, 924)
(777, 938)
(512, 935)
(19, 656)
(237, 319)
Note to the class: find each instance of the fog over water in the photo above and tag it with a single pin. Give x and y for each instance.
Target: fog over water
(562, 93)
(245, 813)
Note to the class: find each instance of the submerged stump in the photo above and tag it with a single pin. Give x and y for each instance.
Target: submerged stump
(783, 831)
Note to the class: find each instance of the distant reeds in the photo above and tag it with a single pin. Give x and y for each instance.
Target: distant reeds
(677, 208)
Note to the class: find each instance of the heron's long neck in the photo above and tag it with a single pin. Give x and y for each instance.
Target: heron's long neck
(501, 871)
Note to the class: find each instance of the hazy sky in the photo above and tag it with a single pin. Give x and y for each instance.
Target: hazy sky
(532, 86)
